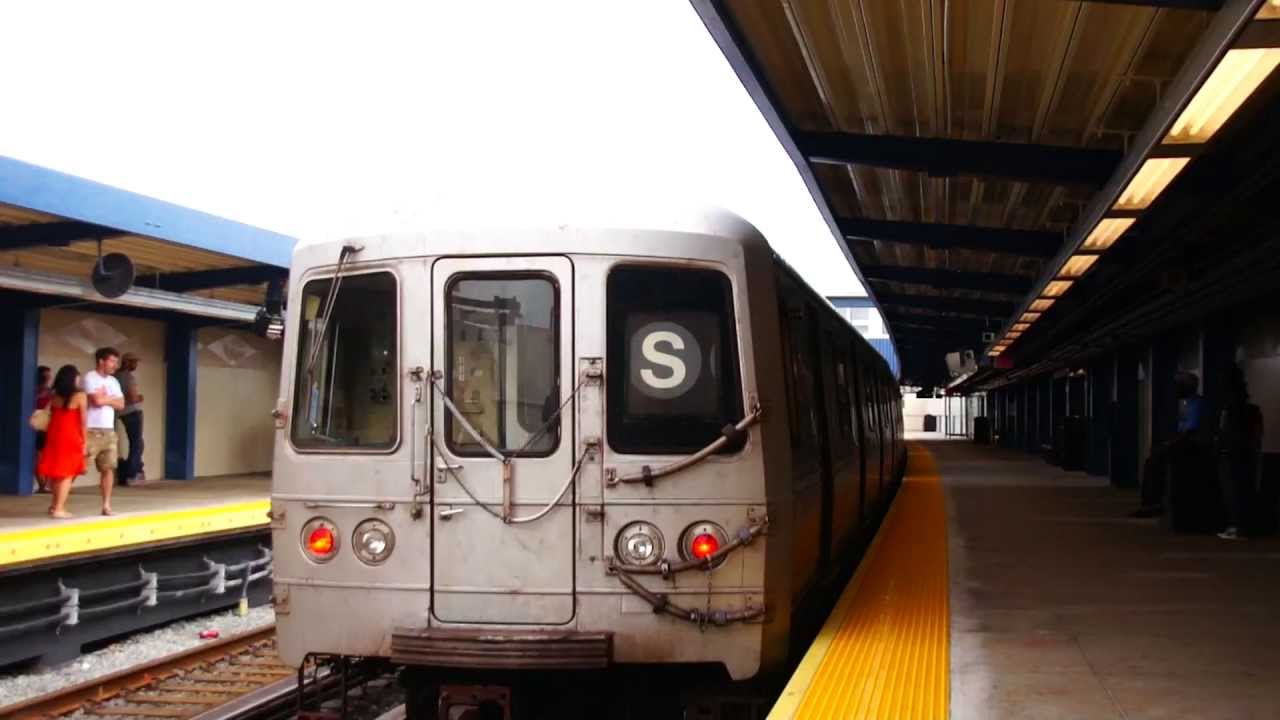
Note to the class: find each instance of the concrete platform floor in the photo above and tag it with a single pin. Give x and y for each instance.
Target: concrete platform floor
(1063, 607)
(22, 512)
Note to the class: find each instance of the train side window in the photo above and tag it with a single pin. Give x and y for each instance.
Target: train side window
(345, 385)
(844, 409)
(503, 362)
(672, 359)
(800, 376)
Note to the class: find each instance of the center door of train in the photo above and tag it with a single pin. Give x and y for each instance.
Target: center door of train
(502, 440)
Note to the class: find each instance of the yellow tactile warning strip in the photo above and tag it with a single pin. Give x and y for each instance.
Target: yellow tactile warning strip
(25, 546)
(884, 651)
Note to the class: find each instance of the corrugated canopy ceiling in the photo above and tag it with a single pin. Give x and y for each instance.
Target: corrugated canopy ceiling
(956, 141)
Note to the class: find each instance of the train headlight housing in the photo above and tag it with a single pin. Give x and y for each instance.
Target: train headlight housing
(320, 539)
(639, 543)
(373, 542)
(701, 540)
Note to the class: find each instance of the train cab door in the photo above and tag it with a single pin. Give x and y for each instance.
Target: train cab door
(502, 446)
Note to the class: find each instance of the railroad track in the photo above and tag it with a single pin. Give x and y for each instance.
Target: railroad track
(199, 683)
(239, 677)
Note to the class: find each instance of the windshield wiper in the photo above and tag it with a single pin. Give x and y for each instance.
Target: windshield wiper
(329, 301)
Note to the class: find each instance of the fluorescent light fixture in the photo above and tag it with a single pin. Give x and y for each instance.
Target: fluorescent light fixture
(1106, 233)
(1241, 71)
(1270, 11)
(1029, 317)
(1152, 178)
(994, 352)
(1077, 265)
(1013, 335)
(1019, 326)
(1056, 288)
(1041, 304)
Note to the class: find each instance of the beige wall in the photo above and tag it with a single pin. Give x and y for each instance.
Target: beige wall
(914, 409)
(71, 336)
(236, 390)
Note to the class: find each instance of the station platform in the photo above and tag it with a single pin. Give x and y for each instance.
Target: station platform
(157, 512)
(1048, 602)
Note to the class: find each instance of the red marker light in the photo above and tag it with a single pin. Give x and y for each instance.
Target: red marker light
(320, 541)
(704, 546)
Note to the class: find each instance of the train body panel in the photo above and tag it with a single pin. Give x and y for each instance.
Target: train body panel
(478, 443)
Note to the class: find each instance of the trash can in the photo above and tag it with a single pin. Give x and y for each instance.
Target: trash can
(981, 430)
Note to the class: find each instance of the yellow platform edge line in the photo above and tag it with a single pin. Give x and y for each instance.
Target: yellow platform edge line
(927, 503)
(98, 534)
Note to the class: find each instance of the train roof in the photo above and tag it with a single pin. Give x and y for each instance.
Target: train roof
(710, 234)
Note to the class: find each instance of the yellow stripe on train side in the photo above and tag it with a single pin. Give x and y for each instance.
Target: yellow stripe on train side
(33, 544)
(884, 652)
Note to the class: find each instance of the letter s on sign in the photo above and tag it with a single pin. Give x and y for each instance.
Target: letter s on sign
(649, 349)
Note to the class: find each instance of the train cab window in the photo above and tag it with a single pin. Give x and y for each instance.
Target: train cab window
(503, 363)
(345, 384)
(672, 360)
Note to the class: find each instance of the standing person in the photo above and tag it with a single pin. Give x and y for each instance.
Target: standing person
(105, 398)
(1163, 457)
(44, 393)
(63, 456)
(1239, 442)
(130, 471)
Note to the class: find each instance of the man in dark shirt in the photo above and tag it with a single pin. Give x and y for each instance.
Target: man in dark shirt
(130, 471)
(1156, 470)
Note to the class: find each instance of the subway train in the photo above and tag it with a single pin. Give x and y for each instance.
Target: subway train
(535, 452)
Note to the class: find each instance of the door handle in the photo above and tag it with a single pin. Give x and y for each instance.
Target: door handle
(441, 465)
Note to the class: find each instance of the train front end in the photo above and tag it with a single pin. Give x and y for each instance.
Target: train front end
(522, 462)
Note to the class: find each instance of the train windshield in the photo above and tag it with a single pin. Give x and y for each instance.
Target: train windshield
(345, 390)
(673, 380)
(503, 363)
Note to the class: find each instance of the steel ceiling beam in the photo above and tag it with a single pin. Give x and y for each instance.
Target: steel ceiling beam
(983, 281)
(947, 304)
(219, 277)
(1176, 4)
(943, 236)
(939, 322)
(56, 234)
(948, 157)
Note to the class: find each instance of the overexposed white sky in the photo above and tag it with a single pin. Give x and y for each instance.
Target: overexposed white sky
(321, 120)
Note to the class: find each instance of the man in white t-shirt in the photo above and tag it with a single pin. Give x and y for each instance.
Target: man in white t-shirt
(105, 400)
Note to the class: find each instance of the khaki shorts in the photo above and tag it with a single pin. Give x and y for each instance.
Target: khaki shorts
(101, 447)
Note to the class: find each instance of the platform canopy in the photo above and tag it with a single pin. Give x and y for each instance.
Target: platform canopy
(53, 227)
(979, 158)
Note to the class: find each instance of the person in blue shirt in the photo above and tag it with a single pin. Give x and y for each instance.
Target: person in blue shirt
(1155, 471)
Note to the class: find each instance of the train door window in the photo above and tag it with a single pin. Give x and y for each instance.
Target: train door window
(844, 376)
(345, 385)
(800, 376)
(672, 358)
(503, 362)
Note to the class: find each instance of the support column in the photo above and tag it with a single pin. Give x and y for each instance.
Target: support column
(19, 332)
(1164, 398)
(1124, 428)
(1030, 412)
(180, 400)
(1101, 373)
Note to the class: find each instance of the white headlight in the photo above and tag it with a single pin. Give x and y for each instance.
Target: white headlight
(373, 541)
(639, 543)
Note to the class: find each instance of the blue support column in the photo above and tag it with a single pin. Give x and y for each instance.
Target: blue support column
(180, 400)
(19, 331)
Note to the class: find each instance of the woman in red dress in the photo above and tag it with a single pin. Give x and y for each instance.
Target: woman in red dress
(63, 456)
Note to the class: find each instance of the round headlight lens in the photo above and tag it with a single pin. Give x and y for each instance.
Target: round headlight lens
(373, 541)
(320, 539)
(639, 543)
